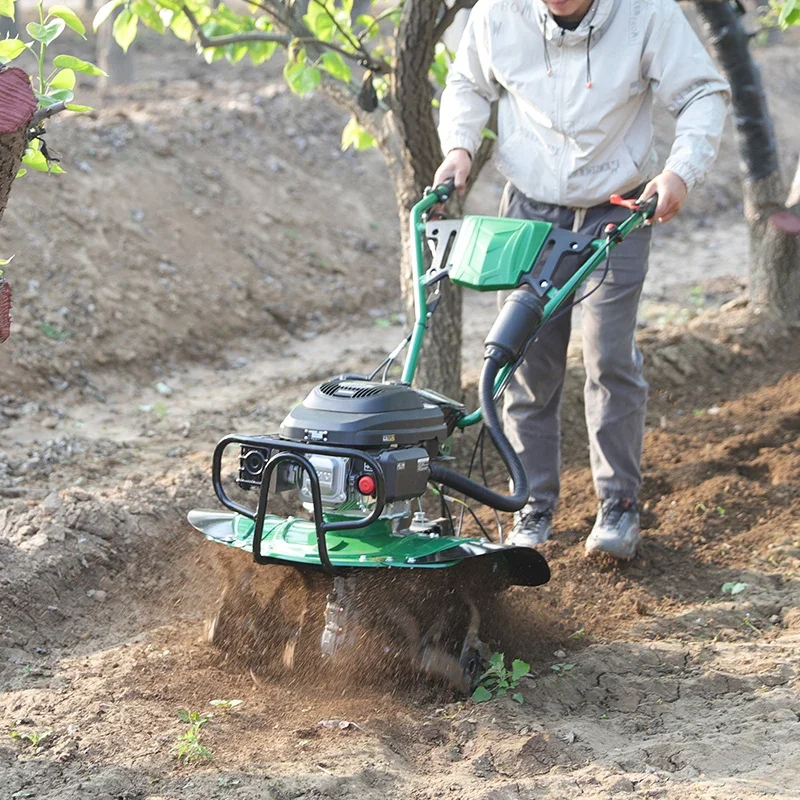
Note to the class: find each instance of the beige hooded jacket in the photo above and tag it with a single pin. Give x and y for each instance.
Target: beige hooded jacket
(575, 107)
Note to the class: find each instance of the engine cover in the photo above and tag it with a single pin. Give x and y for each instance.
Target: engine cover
(359, 413)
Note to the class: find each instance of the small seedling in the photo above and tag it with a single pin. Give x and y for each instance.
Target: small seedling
(752, 627)
(34, 737)
(560, 669)
(188, 748)
(721, 511)
(579, 634)
(497, 680)
(733, 588)
(697, 297)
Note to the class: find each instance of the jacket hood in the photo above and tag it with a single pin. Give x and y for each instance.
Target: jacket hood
(595, 21)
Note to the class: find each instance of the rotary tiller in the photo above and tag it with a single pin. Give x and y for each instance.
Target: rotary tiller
(361, 451)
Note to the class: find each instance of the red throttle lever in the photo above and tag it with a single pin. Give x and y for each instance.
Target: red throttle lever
(648, 207)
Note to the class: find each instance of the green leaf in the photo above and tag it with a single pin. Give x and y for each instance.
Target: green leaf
(481, 695)
(35, 160)
(79, 65)
(182, 28)
(171, 5)
(104, 12)
(234, 53)
(301, 78)
(71, 19)
(733, 588)
(319, 21)
(7, 8)
(786, 10)
(334, 65)
(356, 137)
(517, 697)
(10, 49)
(519, 669)
(20, 173)
(51, 332)
(78, 109)
(260, 52)
(488, 133)
(58, 96)
(45, 33)
(125, 28)
(497, 659)
(6, 261)
(64, 79)
(148, 15)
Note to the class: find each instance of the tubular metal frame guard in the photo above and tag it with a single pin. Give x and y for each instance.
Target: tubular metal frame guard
(295, 452)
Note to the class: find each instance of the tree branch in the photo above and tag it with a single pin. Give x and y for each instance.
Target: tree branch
(45, 113)
(449, 16)
(283, 39)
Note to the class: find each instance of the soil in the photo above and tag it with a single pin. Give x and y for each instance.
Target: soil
(209, 256)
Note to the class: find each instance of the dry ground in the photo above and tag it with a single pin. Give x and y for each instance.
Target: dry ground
(210, 237)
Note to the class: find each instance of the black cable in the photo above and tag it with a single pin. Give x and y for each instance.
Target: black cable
(445, 507)
(480, 524)
(519, 480)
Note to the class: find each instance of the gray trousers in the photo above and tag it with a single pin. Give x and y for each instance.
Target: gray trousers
(615, 392)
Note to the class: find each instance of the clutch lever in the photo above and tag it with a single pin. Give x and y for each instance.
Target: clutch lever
(645, 207)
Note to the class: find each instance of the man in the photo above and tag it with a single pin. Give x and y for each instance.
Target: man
(574, 81)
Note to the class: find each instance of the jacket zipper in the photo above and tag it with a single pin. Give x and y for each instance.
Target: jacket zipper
(560, 98)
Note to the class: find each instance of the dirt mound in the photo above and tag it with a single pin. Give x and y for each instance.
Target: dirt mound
(650, 677)
(195, 214)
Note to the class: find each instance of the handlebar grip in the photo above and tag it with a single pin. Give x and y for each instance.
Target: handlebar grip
(649, 206)
(443, 190)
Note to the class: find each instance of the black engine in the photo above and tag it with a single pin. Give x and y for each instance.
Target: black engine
(401, 427)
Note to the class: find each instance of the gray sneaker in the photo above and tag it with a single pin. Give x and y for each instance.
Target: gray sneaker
(532, 527)
(616, 531)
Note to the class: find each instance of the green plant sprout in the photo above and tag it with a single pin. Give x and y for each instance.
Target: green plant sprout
(34, 737)
(188, 748)
(498, 680)
(561, 669)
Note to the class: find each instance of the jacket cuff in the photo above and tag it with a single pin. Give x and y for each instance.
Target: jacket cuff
(689, 174)
(458, 141)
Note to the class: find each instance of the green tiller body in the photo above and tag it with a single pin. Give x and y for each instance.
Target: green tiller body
(361, 452)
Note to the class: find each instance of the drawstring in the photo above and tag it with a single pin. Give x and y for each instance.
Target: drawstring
(588, 59)
(547, 62)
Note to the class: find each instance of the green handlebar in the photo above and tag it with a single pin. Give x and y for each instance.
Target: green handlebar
(556, 298)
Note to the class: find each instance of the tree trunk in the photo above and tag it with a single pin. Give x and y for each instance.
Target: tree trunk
(111, 58)
(420, 155)
(774, 223)
(17, 107)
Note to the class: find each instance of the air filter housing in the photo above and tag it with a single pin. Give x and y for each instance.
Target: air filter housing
(360, 413)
